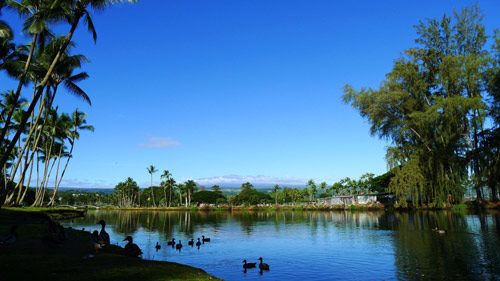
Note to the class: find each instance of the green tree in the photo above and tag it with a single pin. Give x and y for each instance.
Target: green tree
(322, 187)
(312, 188)
(127, 191)
(208, 197)
(246, 186)
(216, 189)
(432, 109)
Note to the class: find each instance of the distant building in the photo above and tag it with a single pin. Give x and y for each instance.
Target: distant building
(361, 199)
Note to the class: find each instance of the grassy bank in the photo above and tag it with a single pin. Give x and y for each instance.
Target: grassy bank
(32, 259)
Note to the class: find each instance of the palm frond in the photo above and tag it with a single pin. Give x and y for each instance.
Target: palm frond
(75, 90)
(90, 25)
(78, 77)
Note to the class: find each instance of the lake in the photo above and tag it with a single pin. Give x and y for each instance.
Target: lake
(302, 245)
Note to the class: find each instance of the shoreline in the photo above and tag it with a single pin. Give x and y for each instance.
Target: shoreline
(465, 205)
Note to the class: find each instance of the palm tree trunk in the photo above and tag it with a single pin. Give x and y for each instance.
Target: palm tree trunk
(170, 198)
(165, 194)
(27, 185)
(51, 202)
(152, 191)
(26, 144)
(67, 162)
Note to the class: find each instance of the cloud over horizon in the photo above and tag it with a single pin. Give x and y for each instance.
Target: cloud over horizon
(159, 142)
(255, 180)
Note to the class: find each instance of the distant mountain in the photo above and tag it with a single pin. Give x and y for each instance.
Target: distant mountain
(83, 189)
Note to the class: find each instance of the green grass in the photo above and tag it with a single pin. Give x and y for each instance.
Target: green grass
(31, 259)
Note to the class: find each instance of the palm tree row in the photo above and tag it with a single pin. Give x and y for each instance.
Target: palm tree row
(34, 136)
(129, 193)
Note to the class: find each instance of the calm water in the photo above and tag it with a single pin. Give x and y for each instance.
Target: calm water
(317, 245)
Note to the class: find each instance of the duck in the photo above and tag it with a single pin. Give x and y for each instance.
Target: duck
(97, 242)
(179, 245)
(191, 243)
(10, 237)
(440, 231)
(198, 243)
(157, 247)
(248, 265)
(263, 266)
(131, 249)
(103, 234)
(171, 243)
(205, 239)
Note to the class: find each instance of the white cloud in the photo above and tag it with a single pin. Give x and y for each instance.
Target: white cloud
(255, 180)
(159, 142)
(85, 183)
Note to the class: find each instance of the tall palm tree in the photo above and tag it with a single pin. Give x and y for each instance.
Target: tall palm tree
(76, 124)
(73, 11)
(182, 190)
(171, 187)
(166, 175)
(151, 170)
(313, 188)
(191, 187)
(63, 73)
(275, 190)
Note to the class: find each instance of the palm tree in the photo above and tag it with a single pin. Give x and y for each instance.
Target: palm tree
(63, 73)
(166, 175)
(151, 170)
(191, 187)
(275, 190)
(76, 124)
(323, 186)
(171, 186)
(182, 190)
(312, 186)
(6, 46)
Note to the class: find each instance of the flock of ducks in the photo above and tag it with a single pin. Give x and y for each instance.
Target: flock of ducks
(178, 246)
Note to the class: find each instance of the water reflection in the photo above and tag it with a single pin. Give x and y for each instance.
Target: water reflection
(318, 245)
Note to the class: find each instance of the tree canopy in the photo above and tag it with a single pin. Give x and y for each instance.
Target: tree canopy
(433, 106)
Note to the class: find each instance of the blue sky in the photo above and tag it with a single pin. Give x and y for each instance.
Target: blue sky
(233, 91)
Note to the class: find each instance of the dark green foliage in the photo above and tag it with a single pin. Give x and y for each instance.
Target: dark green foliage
(250, 196)
(148, 198)
(208, 197)
(432, 107)
(381, 183)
